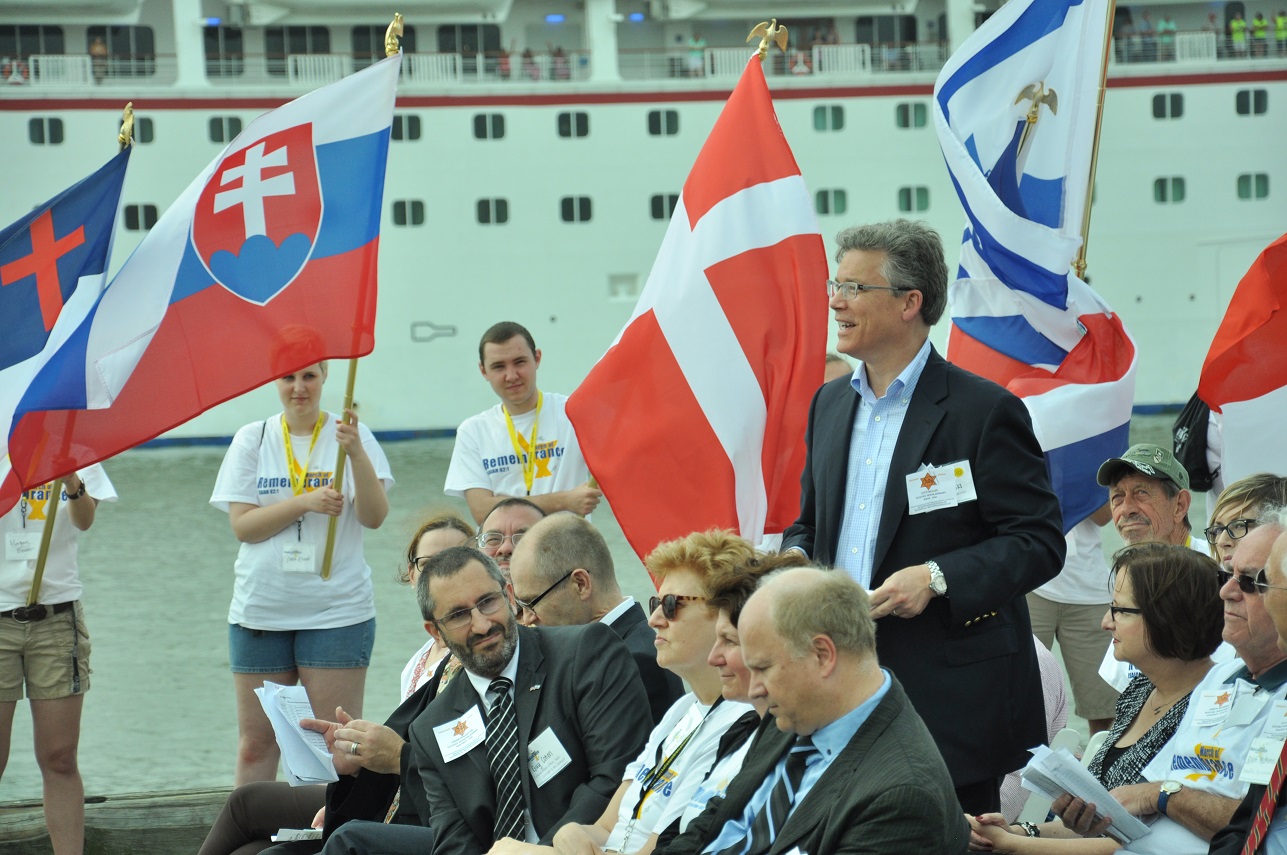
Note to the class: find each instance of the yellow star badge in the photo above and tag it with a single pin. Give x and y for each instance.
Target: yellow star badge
(460, 728)
(929, 480)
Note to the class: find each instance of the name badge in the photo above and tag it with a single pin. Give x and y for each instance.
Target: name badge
(457, 738)
(964, 482)
(546, 757)
(21, 545)
(1276, 722)
(1262, 756)
(298, 558)
(930, 489)
(1213, 708)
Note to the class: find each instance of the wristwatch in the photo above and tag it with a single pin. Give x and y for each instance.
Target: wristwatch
(71, 497)
(938, 582)
(1169, 788)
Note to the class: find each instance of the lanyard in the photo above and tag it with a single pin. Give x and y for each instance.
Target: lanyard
(661, 767)
(526, 453)
(299, 474)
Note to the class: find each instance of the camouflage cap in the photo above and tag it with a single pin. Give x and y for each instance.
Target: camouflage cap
(1147, 459)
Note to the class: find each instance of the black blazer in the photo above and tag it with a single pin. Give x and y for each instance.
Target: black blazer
(570, 679)
(887, 792)
(967, 661)
(1230, 839)
(663, 687)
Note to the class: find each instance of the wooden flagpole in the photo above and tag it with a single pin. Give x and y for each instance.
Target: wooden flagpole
(1079, 263)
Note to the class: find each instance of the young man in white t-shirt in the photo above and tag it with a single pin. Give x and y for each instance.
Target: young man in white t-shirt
(524, 446)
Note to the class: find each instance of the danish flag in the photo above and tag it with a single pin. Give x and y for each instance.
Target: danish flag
(695, 416)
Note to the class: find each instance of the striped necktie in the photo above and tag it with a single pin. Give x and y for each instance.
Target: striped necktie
(1265, 812)
(502, 753)
(769, 821)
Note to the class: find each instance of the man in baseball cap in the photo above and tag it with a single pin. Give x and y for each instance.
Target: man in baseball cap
(1148, 493)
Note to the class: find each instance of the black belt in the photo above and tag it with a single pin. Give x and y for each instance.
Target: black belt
(40, 611)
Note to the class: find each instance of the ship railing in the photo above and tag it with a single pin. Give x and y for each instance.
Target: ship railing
(317, 69)
(1206, 46)
(823, 60)
(81, 70)
(61, 70)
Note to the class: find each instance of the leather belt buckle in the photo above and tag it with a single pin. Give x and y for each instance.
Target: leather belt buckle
(31, 614)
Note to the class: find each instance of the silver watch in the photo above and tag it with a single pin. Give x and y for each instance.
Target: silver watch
(938, 582)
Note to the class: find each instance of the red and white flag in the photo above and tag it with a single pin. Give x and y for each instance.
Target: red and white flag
(1245, 373)
(695, 416)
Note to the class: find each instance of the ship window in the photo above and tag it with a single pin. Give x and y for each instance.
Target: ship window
(828, 117)
(1253, 185)
(574, 209)
(489, 126)
(831, 202)
(408, 212)
(406, 127)
(662, 205)
(131, 51)
(140, 218)
(144, 129)
(1168, 190)
(368, 44)
(1252, 102)
(469, 38)
(575, 124)
(1168, 105)
(663, 123)
(45, 131)
(225, 54)
(910, 115)
(280, 42)
(224, 128)
(22, 41)
(493, 211)
(913, 199)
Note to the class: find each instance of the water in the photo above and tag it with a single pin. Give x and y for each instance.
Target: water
(157, 570)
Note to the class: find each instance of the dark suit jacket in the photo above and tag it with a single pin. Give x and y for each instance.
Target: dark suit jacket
(1229, 840)
(887, 792)
(663, 687)
(570, 679)
(992, 551)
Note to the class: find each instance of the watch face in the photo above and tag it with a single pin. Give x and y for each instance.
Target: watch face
(1171, 787)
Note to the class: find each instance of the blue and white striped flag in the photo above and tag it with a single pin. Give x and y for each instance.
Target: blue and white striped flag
(1014, 108)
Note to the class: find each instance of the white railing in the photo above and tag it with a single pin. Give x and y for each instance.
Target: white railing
(841, 59)
(432, 67)
(317, 69)
(64, 70)
(1195, 47)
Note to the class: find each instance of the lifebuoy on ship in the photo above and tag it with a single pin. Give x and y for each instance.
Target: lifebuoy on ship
(14, 71)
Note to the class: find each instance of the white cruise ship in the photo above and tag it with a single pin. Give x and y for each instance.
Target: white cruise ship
(539, 145)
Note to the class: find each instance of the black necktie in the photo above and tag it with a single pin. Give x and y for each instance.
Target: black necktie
(502, 753)
(769, 821)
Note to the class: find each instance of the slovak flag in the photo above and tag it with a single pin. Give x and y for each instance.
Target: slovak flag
(1244, 376)
(1014, 108)
(695, 416)
(265, 263)
(53, 267)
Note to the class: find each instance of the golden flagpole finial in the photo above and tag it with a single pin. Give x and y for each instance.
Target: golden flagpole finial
(392, 34)
(769, 32)
(126, 135)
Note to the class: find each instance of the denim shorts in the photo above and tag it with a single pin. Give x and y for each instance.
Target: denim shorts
(266, 651)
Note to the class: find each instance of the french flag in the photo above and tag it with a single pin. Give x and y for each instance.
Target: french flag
(1015, 111)
(695, 416)
(265, 263)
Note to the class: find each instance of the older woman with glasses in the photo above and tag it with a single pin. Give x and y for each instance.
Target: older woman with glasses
(1237, 511)
(1166, 619)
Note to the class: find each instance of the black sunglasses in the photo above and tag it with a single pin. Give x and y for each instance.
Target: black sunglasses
(1236, 528)
(670, 604)
(1248, 583)
(531, 604)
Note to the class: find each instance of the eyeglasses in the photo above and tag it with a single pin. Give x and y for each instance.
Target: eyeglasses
(670, 604)
(1235, 528)
(460, 618)
(1249, 583)
(494, 539)
(1118, 611)
(849, 290)
(531, 604)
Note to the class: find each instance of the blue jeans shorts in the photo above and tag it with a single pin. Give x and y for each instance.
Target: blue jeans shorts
(266, 651)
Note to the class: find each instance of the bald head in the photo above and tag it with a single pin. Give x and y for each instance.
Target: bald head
(564, 566)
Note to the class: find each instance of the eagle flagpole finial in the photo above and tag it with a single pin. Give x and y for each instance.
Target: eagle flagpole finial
(768, 32)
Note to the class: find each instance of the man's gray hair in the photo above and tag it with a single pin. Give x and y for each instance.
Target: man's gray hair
(823, 602)
(914, 259)
(446, 564)
(565, 541)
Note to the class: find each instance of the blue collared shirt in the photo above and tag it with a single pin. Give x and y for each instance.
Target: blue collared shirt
(830, 741)
(871, 450)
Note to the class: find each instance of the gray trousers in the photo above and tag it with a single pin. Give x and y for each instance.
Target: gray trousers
(361, 837)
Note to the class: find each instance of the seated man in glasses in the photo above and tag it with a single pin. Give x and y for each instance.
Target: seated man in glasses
(563, 575)
(504, 526)
(523, 446)
(533, 735)
(1191, 793)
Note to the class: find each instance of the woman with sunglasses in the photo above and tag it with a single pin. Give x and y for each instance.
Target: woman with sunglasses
(1166, 619)
(684, 745)
(254, 812)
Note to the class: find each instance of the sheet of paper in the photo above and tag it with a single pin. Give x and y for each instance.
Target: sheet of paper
(285, 835)
(1053, 773)
(304, 754)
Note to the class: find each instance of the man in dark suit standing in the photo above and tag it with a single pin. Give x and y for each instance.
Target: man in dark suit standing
(563, 575)
(926, 484)
(842, 762)
(533, 734)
